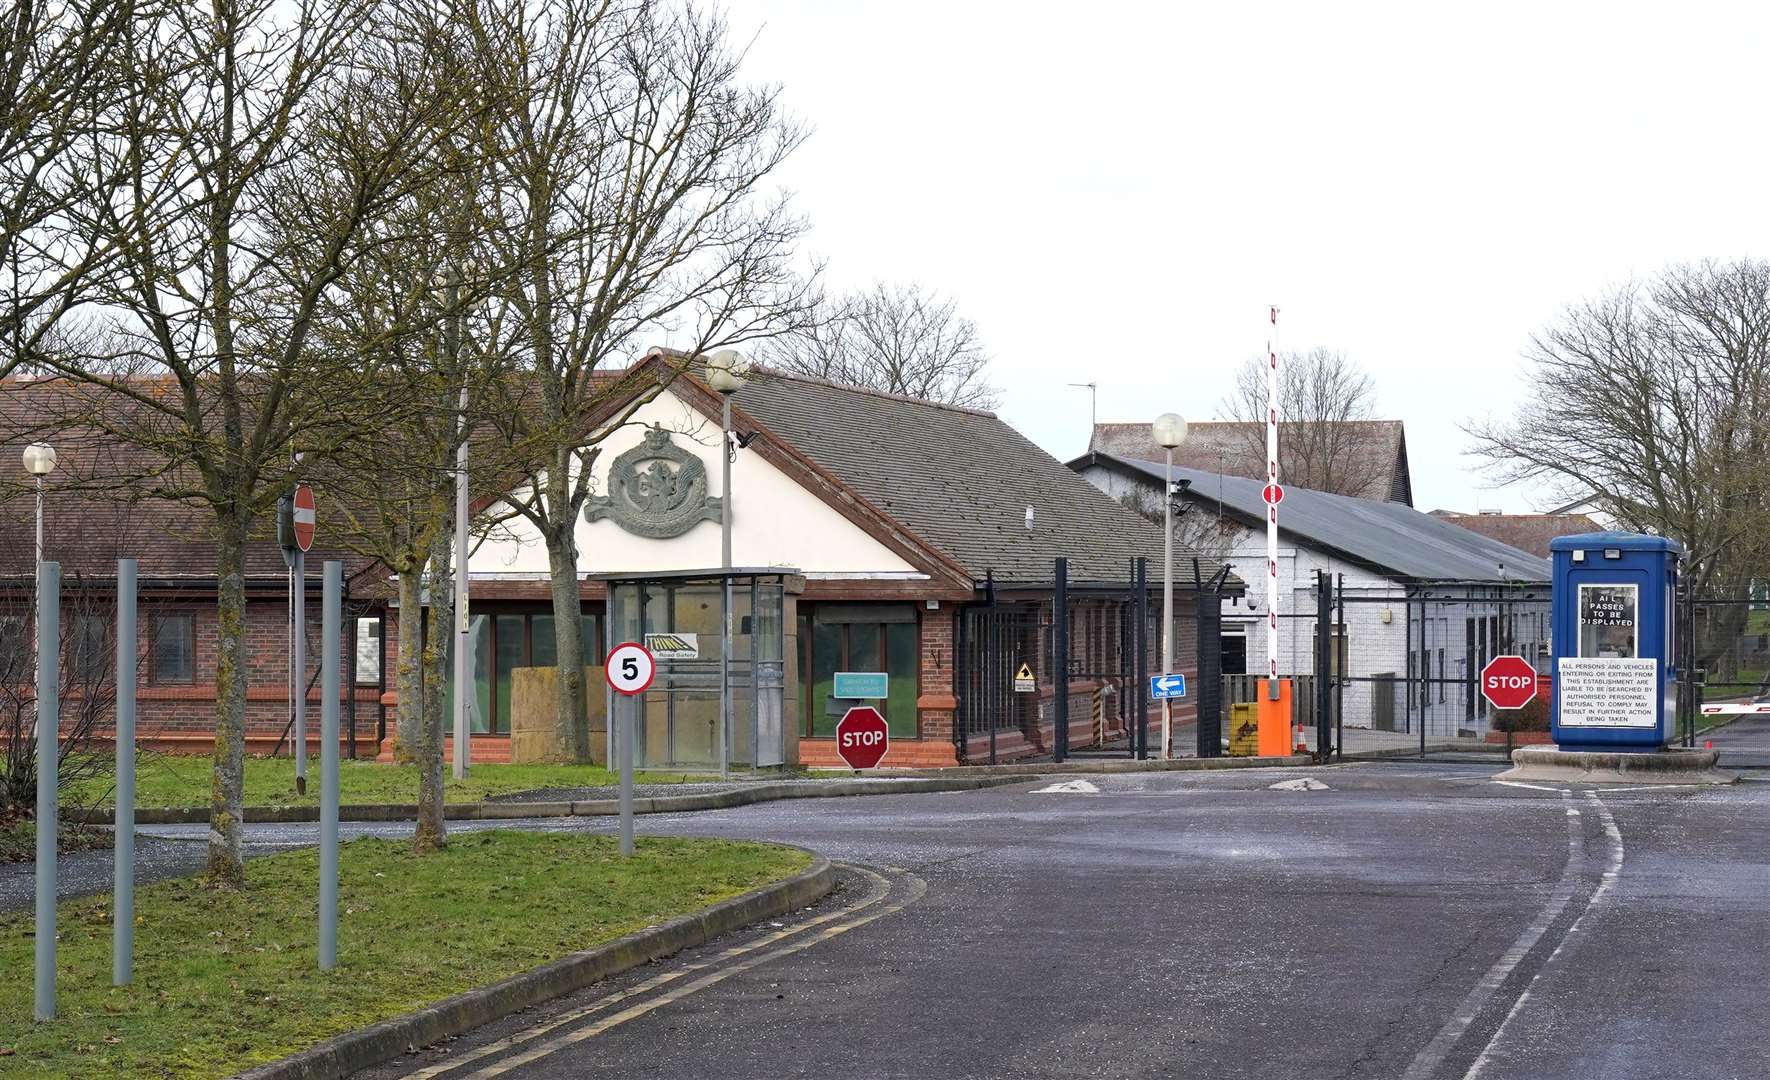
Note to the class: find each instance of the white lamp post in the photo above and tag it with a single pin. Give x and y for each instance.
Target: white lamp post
(1170, 431)
(727, 370)
(39, 462)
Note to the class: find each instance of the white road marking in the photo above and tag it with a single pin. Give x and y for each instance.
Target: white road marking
(1302, 783)
(1426, 1062)
(1612, 870)
(1533, 787)
(1068, 787)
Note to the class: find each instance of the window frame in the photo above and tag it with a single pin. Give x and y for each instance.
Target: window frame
(156, 628)
(846, 662)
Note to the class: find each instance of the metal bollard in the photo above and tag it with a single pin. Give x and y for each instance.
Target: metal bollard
(48, 772)
(330, 638)
(123, 860)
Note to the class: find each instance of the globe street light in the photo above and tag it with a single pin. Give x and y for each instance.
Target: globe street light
(39, 462)
(727, 371)
(1170, 431)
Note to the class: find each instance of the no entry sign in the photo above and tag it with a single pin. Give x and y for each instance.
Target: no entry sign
(629, 668)
(1508, 682)
(303, 517)
(862, 737)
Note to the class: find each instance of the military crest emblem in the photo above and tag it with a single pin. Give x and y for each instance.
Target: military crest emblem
(656, 490)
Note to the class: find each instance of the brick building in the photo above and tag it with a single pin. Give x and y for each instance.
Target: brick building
(894, 525)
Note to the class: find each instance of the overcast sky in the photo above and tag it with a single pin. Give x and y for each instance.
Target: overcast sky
(1115, 191)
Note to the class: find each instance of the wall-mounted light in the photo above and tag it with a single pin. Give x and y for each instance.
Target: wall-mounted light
(1579, 555)
(1387, 616)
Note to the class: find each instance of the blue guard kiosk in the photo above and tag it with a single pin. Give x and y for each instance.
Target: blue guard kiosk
(1613, 626)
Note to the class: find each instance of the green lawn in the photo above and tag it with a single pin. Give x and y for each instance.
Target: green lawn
(174, 780)
(226, 980)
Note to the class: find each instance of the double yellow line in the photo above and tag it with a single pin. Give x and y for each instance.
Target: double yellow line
(562, 1031)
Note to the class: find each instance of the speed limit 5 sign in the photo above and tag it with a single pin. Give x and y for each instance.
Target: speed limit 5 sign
(629, 668)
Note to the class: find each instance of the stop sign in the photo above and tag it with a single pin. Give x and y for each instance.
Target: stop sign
(1508, 682)
(862, 737)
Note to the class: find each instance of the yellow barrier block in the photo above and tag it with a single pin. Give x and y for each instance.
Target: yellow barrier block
(1243, 729)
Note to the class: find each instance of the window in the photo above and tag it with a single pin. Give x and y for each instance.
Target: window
(501, 642)
(1607, 620)
(90, 654)
(368, 652)
(172, 653)
(1235, 653)
(14, 656)
(862, 638)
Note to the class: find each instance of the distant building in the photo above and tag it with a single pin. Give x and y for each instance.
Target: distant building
(1526, 532)
(1369, 456)
(1428, 602)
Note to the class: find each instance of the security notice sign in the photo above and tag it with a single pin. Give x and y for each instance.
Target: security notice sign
(1598, 692)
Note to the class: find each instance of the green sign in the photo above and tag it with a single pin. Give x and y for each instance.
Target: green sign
(862, 684)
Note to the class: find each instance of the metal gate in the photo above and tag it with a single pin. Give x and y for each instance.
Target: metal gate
(1096, 700)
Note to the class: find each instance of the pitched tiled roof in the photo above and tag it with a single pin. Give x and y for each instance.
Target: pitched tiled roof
(91, 521)
(1237, 448)
(1529, 532)
(959, 479)
(1395, 540)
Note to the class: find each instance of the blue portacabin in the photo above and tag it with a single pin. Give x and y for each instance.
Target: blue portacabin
(1166, 687)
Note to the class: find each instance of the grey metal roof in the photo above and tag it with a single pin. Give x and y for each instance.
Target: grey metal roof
(1387, 536)
(961, 480)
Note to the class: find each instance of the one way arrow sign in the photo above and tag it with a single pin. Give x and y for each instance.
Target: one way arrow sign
(1163, 687)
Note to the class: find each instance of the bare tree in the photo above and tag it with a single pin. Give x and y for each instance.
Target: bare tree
(1652, 401)
(1322, 398)
(59, 86)
(1196, 530)
(631, 177)
(892, 338)
(250, 180)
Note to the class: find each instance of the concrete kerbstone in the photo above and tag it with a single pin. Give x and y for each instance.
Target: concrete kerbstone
(1613, 767)
(348, 1053)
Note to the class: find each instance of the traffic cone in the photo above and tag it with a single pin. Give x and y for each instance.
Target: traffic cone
(1302, 743)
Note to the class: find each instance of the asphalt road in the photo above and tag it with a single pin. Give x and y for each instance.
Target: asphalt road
(1408, 921)
(1743, 744)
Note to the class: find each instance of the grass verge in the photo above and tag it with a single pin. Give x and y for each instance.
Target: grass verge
(227, 980)
(176, 780)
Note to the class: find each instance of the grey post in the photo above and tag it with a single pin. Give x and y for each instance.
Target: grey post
(299, 599)
(123, 859)
(629, 735)
(332, 603)
(725, 589)
(48, 769)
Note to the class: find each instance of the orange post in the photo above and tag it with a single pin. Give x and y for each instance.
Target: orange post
(1275, 718)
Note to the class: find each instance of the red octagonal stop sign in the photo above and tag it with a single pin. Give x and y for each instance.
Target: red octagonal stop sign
(1508, 682)
(862, 737)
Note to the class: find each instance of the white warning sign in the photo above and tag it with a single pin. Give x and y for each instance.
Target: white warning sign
(1599, 692)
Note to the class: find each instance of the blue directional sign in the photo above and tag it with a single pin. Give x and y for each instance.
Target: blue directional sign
(865, 685)
(1163, 687)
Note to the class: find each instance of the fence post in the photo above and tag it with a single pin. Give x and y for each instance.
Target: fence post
(123, 827)
(1141, 586)
(1210, 668)
(1060, 660)
(48, 772)
(331, 602)
(1340, 683)
(1324, 637)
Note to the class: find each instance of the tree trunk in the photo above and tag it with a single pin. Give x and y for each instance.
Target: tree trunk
(227, 794)
(429, 835)
(571, 726)
(408, 738)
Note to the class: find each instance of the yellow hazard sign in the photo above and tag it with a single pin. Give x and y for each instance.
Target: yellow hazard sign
(1024, 683)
